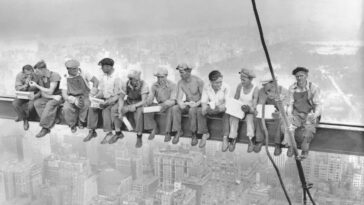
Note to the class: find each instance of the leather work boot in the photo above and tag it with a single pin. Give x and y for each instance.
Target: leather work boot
(304, 154)
(277, 150)
(118, 135)
(225, 144)
(194, 140)
(258, 147)
(250, 146)
(139, 142)
(290, 152)
(176, 138)
(74, 129)
(152, 135)
(91, 134)
(43, 133)
(26, 125)
(81, 125)
(107, 137)
(203, 140)
(167, 137)
(232, 145)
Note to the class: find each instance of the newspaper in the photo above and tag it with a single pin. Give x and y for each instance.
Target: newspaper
(96, 102)
(24, 95)
(233, 108)
(268, 112)
(152, 109)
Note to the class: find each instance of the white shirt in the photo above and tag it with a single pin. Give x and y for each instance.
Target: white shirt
(247, 99)
(110, 85)
(217, 98)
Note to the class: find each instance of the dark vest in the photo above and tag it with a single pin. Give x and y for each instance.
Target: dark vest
(76, 86)
(134, 95)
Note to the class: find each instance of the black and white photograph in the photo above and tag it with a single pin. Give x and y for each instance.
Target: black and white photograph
(181, 102)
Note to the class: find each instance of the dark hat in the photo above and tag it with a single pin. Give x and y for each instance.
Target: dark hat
(106, 61)
(183, 66)
(40, 64)
(298, 69)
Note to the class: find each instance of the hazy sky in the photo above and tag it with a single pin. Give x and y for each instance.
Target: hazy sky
(48, 18)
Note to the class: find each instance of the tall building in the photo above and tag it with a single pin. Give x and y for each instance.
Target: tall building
(175, 165)
(18, 178)
(110, 182)
(184, 196)
(84, 188)
(146, 185)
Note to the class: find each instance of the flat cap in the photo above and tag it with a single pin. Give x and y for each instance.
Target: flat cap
(106, 61)
(298, 69)
(247, 72)
(40, 64)
(267, 78)
(161, 71)
(134, 73)
(183, 66)
(72, 63)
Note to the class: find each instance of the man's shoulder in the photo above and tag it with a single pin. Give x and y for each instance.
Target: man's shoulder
(313, 85)
(55, 77)
(197, 79)
(20, 75)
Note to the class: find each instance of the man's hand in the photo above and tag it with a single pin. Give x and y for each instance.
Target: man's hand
(79, 102)
(33, 84)
(245, 108)
(27, 81)
(204, 111)
(164, 107)
(193, 104)
(71, 99)
(31, 97)
(183, 105)
(93, 91)
(57, 97)
(132, 108)
(311, 118)
(221, 108)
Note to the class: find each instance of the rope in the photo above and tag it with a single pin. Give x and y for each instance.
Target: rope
(270, 156)
(281, 110)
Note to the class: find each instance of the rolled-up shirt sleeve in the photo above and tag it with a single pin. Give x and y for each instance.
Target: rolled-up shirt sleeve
(205, 97)
(173, 92)
(316, 99)
(145, 89)
(18, 82)
(63, 83)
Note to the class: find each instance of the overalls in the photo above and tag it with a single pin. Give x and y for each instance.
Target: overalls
(76, 87)
(306, 130)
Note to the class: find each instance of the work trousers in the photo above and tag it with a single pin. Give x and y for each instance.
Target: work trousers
(23, 108)
(47, 111)
(202, 121)
(107, 117)
(193, 113)
(136, 118)
(150, 123)
(73, 114)
(234, 126)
